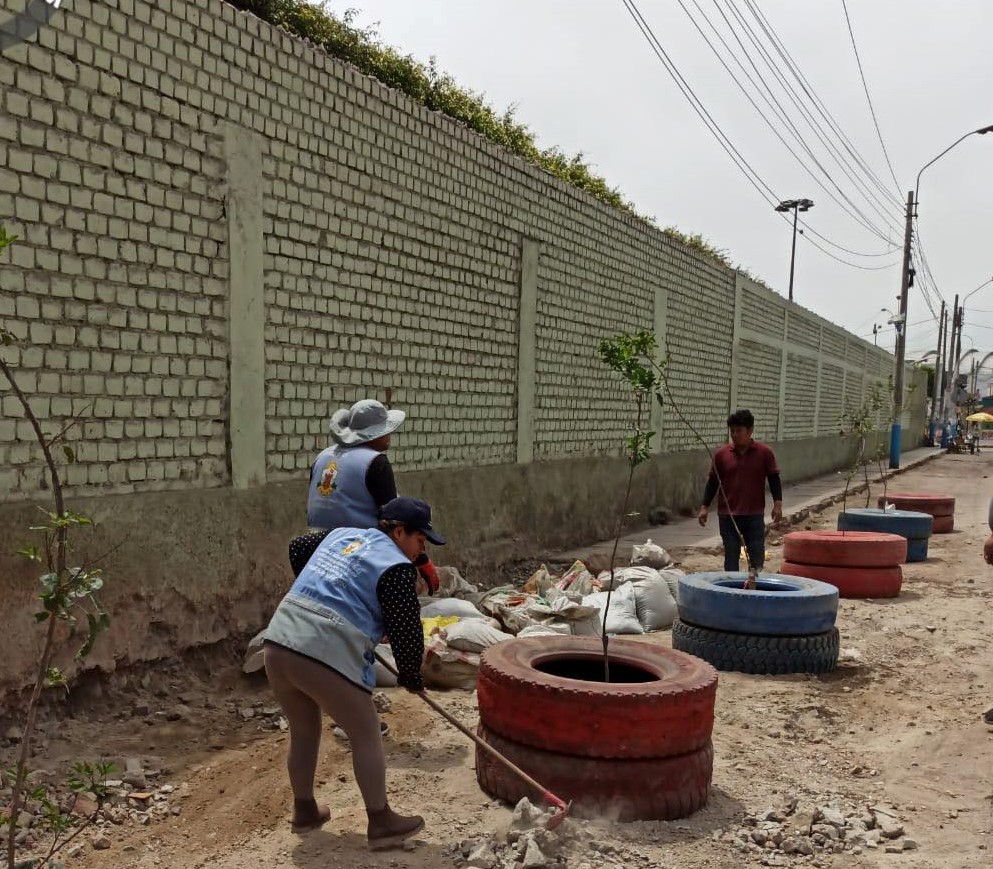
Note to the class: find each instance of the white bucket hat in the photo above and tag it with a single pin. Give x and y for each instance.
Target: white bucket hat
(364, 421)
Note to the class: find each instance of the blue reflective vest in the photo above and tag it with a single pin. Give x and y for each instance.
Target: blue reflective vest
(343, 573)
(338, 497)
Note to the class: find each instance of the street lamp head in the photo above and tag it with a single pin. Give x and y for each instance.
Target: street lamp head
(799, 204)
(984, 130)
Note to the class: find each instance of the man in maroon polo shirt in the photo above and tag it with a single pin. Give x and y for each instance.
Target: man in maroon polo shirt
(738, 473)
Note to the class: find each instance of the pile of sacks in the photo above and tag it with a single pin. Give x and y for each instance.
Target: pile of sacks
(460, 622)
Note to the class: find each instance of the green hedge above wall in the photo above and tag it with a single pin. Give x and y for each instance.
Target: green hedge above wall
(438, 91)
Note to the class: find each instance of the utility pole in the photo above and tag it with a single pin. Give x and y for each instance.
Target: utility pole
(901, 336)
(948, 375)
(938, 363)
(944, 365)
(957, 357)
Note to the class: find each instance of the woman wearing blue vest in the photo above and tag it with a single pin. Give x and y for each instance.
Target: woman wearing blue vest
(352, 479)
(358, 586)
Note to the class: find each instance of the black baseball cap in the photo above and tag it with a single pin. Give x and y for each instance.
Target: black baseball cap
(415, 514)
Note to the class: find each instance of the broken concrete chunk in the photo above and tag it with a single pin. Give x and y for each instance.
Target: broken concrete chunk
(533, 857)
(832, 816)
(526, 815)
(483, 857)
(891, 828)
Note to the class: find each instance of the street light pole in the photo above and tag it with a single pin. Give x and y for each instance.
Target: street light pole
(794, 205)
(912, 200)
(982, 131)
(901, 336)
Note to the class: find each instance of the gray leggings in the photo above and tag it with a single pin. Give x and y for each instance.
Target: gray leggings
(305, 688)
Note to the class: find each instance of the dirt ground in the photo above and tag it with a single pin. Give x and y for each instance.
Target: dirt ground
(899, 723)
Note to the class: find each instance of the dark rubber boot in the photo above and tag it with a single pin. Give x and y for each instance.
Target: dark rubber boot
(307, 815)
(388, 829)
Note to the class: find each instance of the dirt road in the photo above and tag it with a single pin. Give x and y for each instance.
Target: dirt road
(898, 724)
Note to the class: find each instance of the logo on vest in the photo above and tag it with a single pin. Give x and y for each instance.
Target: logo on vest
(327, 485)
(352, 547)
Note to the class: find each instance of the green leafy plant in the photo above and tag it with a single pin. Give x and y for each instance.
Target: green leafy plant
(633, 357)
(636, 358)
(857, 423)
(67, 594)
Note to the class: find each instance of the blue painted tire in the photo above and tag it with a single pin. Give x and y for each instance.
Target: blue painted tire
(781, 606)
(917, 549)
(906, 523)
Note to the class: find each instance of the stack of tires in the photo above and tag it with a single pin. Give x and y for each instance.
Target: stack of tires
(941, 507)
(784, 625)
(636, 748)
(858, 563)
(915, 527)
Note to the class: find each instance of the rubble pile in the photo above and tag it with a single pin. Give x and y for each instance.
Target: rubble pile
(793, 833)
(133, 799)
(527, 844)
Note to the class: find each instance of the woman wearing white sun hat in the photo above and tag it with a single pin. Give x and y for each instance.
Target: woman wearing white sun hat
(352, 479)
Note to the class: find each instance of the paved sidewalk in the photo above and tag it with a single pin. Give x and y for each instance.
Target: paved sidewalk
(686, 533)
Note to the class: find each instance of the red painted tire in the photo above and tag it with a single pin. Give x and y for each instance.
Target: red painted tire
(844, 549)
(852, 581)
(920, 502)
(533, 690)
(660, 789)
(943, 525)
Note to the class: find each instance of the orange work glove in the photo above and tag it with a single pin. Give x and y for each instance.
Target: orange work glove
(428, 573)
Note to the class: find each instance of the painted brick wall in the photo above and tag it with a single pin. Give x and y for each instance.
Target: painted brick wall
(391, 260)
(832, 395)
(759, 392)
(700, 327)
(801, 395)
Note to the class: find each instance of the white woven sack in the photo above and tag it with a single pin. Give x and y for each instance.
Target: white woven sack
(623, 615)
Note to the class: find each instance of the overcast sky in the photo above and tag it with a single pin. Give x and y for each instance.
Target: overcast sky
(584, 78)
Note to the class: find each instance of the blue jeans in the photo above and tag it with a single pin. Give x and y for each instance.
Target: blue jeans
(753, 530)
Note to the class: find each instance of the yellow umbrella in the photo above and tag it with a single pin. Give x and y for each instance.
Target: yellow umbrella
(980, 416)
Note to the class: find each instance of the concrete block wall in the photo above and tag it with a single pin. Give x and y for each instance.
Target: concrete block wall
(117, 283)
(225, 235)
(799, 373)
(375, 248)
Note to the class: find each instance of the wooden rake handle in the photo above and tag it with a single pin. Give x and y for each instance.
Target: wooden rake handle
(562, 808)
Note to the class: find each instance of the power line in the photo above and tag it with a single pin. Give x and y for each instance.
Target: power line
(920, 281)
(889, 329)
(763, 189)
(865, 87)
(815, 99)
(874, 203)
(927, 277)
(774, 106)
(753, 177)
(924, 259)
